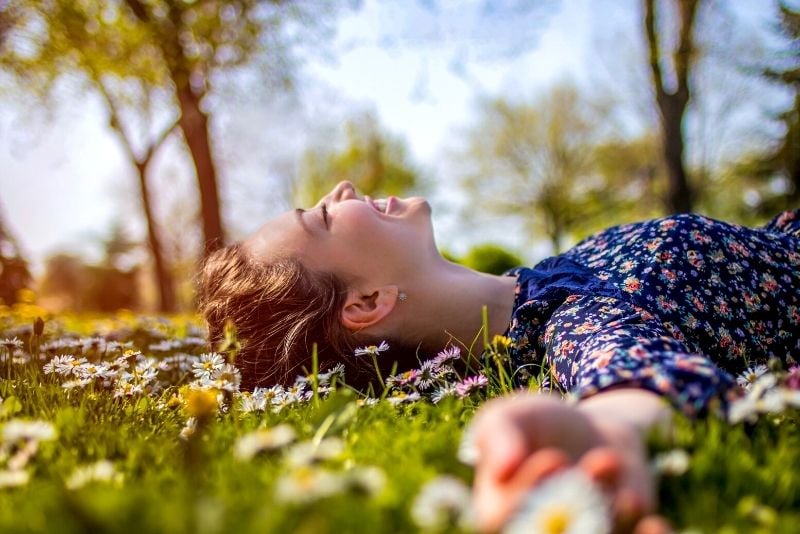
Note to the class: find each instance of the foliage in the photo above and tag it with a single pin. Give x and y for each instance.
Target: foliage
(536, 160)
(490, 258)
(14, 273)
(179, 458)
(375, 162)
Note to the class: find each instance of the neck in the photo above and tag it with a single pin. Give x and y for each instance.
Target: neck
(453, 310)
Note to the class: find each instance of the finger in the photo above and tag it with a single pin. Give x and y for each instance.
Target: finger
(652, 524)
(537, 467)
(629, 508)
(604, 466)
(496, 502)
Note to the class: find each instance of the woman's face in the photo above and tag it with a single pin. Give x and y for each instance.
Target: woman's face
(355, 237)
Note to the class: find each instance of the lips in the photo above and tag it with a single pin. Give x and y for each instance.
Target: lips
(382, 205)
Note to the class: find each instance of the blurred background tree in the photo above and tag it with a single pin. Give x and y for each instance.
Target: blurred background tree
(536, 161)
(376, 162)
(14, 273)
(69, 283)
(155, 64)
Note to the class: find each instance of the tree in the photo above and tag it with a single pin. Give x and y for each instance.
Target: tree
(153, 64)
(672, 98)
(376, 163)
(536, 161)
(14, 273)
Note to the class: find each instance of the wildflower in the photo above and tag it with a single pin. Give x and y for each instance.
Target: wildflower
(251, 444)
(166, 345)
(208, 366)
(400, 397)
(467, 448)
(369, 401)
(501, 342)
(12, 343)
(67, 365)
(372, 350)
(59, 365)
(448, 390)
(672, 463)
(369, 480)
(750, 375)
(426, 377)
(13, 478)
(470, 384)
(308, 484)
(334, 374)
(78, 383)
(189, 428)
(442, 503)
(568, 502)
(403, 379)
(201, 403)
(123, 388)
(310, 452)
(448, 354)
(19, 430)
(101, 471)
(94, 371)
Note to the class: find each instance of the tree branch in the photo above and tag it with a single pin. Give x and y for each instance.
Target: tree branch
(652, 46)
(683, 54)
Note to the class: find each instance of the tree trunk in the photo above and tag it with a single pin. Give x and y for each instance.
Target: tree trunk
(194, 125)
(672, 104)
(166, 283)
(679, 195)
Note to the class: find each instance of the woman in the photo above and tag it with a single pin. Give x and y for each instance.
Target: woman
(628, 317)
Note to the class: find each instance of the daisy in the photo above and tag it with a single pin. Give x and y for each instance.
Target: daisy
(309, 452)
(209, 364)
(448, 390)
(12, 343)
(101, 471)
(59, 365)
(403, 379)
(427, 374)
(13, 479)
(251, 444)
(470, 384)
(19, 430)
(442, 503)
(400, 397)
(308, 484)
(369, 480)
(448, 354)
(750, 375)
(565, 503)
(372, 350)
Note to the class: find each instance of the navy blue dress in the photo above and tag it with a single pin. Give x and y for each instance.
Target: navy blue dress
(677, 305)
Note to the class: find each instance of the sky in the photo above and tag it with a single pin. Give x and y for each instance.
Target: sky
(420, 67)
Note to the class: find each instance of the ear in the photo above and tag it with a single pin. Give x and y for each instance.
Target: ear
(363, 309)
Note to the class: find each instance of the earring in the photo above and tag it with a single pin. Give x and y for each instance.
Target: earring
(402, 296)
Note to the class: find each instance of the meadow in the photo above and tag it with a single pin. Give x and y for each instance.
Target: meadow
(128, 423)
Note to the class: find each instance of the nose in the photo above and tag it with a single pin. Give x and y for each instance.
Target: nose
(343, 191)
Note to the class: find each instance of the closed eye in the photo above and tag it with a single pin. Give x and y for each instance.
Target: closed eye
(325, 214)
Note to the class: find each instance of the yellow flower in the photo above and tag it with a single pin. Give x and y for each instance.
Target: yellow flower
(201, 403)
(501, 342)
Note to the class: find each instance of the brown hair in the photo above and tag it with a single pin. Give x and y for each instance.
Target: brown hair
(279, 310)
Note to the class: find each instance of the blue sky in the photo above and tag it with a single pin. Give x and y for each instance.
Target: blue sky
(419, 66)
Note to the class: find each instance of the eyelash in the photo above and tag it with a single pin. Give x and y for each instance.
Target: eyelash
(325, 214)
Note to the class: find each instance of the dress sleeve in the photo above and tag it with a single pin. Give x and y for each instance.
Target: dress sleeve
(597, 343)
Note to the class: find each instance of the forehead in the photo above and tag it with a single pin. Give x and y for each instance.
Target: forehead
(279, 237)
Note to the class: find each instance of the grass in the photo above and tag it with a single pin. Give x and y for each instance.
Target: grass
(377, 458)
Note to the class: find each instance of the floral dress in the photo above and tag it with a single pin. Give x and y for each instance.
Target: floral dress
(677, 306)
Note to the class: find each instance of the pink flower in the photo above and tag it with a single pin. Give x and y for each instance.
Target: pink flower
(470, 384)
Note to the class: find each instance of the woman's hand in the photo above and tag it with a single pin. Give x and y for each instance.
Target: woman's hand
(522, 440)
